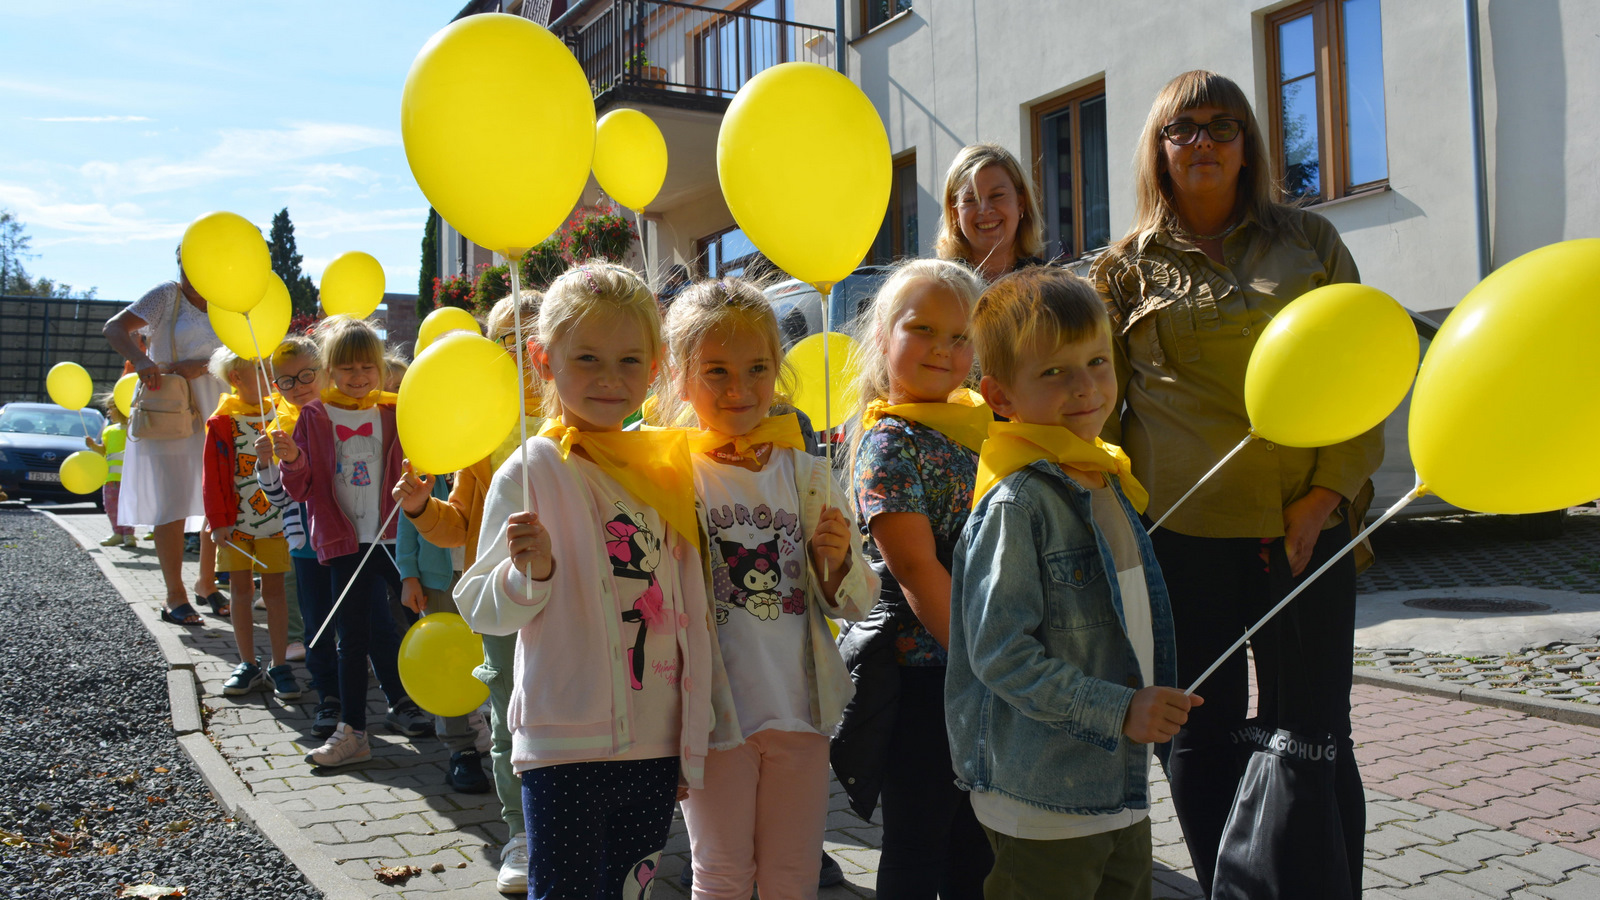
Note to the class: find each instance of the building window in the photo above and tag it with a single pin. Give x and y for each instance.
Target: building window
(1328, 128)
(877, 12)
(897, 239)
(726, 253)
(1069, 150)
(742, 44)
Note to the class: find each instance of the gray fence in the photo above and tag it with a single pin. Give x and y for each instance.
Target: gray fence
(37, 333)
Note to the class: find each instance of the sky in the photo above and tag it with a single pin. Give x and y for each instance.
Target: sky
(121, 122)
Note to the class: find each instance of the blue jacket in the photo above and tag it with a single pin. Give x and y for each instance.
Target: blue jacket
(416, 558)
(1041, 668)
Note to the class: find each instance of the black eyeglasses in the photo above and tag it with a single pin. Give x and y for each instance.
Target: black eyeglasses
(287, 382)
(1221, 130)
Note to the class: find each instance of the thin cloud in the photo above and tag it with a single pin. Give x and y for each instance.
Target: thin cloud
(93, 119)
(95, 223)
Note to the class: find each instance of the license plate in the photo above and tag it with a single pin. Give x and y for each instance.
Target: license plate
(45, 476)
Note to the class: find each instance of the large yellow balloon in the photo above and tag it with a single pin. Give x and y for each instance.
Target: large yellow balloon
(1331, 365)
(352, 285)
(122, 393)
(506, 73)
(442, 320)
(804, 164)
(437, 657)
(269, 319)
(1505, 417)
(226, 260)
(806, 359)
(630, 157)
(458, 401)
(69, 385)
(83, 472)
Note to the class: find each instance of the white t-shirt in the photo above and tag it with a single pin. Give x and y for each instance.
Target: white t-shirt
(1020, 820)
(758, 572)
(358, 467)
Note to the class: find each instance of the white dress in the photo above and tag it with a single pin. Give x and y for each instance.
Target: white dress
(161, 479)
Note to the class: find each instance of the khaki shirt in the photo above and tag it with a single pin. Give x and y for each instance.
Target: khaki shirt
(1184, 328)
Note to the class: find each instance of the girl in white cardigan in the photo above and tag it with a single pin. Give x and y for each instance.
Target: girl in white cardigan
(783, 558)
(601, 580)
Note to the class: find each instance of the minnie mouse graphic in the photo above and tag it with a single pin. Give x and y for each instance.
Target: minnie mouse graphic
(635, 552)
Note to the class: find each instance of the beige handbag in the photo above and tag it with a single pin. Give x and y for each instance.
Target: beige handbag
(166, 413)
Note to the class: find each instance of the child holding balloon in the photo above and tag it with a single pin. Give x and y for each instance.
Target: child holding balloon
(113, 440)
(782, 560)
(455, 522)
(246, 527)
(345, 448)
(915, 461)
(611, 708)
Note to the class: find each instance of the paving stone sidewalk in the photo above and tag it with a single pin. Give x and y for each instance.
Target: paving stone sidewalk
(1463, 802)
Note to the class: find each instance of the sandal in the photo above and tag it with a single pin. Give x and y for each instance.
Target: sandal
(218, 601)
(182, 614)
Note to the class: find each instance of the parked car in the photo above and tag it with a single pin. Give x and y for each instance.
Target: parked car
(799, 306)
(34, 439)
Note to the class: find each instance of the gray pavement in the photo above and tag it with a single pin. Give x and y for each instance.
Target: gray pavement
(1464, 801)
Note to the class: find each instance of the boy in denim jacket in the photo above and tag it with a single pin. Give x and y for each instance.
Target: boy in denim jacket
(1060, 631)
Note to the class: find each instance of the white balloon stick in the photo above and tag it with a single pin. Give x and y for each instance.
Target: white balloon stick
(522, 389)
(359, 566)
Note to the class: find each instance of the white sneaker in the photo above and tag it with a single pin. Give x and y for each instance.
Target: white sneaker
(344, 746)
(513, 875)
(482, 738)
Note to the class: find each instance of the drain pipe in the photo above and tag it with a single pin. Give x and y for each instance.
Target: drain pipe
(1480, 177)
(838, 35)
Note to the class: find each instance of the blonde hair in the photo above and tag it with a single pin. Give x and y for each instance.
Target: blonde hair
(1153, 209)
(108, 404)
(502, 318)
(873, 325)
(295, 346)
(224, 364)
(950, 242)
(596, 288)
(718, 306)
(1037, 304)
(344, 340)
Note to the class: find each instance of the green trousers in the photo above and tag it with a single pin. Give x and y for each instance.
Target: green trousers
(1114, 865)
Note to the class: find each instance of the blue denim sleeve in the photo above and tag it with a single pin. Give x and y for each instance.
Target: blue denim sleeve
(406, 547)
(1002, 608)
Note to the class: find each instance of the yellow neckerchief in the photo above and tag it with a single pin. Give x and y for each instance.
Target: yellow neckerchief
(780, 431)
(1012, 445)
(513, 440)
(232, 404)
(964, 418)
(652, 465)
(342, 400)
(288, 413)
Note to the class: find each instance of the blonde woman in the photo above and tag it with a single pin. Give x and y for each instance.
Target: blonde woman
(1211, 257)
(990, 215)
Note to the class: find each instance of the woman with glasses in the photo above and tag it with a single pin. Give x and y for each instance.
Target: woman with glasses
(1210, 258)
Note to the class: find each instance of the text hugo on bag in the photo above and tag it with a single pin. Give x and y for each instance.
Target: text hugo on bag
(166, 413)
(1284, 839)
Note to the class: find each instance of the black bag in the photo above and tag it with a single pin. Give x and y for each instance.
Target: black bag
(1284, 838)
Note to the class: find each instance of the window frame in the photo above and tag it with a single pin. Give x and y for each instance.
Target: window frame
(1073, 100)
(891, 222)
(864, 7)
(702, 248)
(1333, 114)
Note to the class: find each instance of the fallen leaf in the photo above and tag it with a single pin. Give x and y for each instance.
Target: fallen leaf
(178, 826)
(396, 874)
(44, 806)
(162, 770)
(152, 891)
(154, 799)
(12, 839)
(127, 780)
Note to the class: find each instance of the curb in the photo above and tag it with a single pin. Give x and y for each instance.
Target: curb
(183, 697)
(1562, 711)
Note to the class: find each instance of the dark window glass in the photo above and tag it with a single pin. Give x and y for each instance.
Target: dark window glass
(877, 12)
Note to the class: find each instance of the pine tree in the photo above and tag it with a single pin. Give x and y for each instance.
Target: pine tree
(286, 263)
(430, 264)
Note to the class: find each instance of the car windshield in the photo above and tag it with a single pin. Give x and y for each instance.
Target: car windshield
(50, 421)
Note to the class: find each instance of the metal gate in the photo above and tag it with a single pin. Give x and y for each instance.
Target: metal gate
(36, 333)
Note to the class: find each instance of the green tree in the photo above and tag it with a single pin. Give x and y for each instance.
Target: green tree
(14, 278)
(430, 264)
(286, 263)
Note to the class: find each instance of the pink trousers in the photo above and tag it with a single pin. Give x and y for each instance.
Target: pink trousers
(758, 821)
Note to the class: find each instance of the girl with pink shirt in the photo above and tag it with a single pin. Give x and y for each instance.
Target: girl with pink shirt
(611, 707)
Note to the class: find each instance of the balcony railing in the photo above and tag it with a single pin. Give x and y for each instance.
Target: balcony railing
(690, 50)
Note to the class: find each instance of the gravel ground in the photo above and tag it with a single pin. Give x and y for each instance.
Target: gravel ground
(95, 792)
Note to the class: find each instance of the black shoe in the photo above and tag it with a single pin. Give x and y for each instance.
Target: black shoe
(327, 717)
(466, 773)
(831, 873)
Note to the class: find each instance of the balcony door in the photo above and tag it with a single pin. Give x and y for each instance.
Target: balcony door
(737, 45)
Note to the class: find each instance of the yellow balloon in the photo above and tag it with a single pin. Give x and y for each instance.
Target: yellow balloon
(630, 157)
(1505, 417)
(845, 363)
(442, 320)
(352, 285)
(122, 393)
(69, 385)
(437, 657)
(83, 472)
(1331, 365)
(804, 164)
(458, 401)
(270, 320)
(501, 69)
(226, 260)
